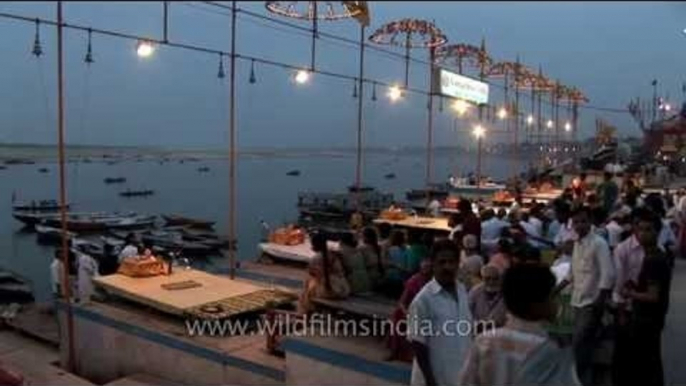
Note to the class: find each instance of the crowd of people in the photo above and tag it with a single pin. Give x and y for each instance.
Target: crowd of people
(605, 253)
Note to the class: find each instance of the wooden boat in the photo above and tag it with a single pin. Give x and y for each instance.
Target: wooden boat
(30, 218)
(43, 170)
(96, 222)
(203, 169)
(438, 191)
(137, 193)
(293, 173)
(115, 180)
(19, 161)
(3, 167)
(175, 242)
(40, 206)
(50, 235)
(14, 289)
(175, 220)
(389, 176)
(340, 206)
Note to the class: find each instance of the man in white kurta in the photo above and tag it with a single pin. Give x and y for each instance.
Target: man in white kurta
(439, 322)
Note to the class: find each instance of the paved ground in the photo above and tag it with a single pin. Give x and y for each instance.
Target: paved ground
(674, 336)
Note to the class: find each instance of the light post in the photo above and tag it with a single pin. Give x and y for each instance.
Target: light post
(478, 132)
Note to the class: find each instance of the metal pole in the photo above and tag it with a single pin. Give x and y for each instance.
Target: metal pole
(516, 125)
(478, 166)
(232, 148)
(407, 60)
(358, 170)
(314, 33)
(166, 21)
(429, 139)
(66, 283)
(654, 100)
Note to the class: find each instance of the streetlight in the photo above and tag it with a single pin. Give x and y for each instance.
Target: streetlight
(395, 93)
(502, 113)
(145, 49)
(302, 76)
(460, 107)
(530, 120)
(568, 127)
(479, 133)
(549, 124)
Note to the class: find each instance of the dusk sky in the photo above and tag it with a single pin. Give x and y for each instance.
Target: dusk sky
(610, 50)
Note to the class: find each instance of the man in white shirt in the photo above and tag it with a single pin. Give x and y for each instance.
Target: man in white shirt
(130, 249)
(436, 322)
(491, 229)
(88, 269)
(592, 278)
(434, 208)
(56, 274)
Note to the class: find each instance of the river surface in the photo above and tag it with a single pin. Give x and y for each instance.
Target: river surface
(264, 192)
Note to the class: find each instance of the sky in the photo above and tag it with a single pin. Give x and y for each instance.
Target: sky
(610, 50)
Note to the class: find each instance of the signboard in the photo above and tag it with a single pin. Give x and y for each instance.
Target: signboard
(461, 87)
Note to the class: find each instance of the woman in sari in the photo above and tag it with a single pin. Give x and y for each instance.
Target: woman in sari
(326, 278)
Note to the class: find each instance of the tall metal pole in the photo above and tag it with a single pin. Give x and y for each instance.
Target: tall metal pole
(516, 118)
(654, 100)
(314, 33)
(66, 283)
(482, 75)
(165, 31)
(478, 165)
(429, 138)
(408, 40)
(358, 170)
(232, 148)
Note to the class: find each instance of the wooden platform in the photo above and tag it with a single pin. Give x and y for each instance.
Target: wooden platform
(427, 223)
(149, 291)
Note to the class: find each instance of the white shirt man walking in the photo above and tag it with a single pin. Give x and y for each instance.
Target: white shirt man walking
(592, 278)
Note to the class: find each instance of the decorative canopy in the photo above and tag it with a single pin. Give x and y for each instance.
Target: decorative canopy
(503, 69)
(409, 33)
(529, 80)
(462, 53)
(322, 10)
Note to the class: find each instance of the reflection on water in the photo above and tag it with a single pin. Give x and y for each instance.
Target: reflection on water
(264, 192)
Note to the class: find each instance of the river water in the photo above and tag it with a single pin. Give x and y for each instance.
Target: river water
(264, 192)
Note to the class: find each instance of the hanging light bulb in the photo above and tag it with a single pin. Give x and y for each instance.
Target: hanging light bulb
(568, 126)
(37, 50)
(461, 107)
(89, 51)
(502, 113)
(395, 93)
(479, 131)
(145, 49)
(530, 120)
(374, 92)
(302, 76)
(549, 124)
(252, 79)
(220, 73)
(354, 89)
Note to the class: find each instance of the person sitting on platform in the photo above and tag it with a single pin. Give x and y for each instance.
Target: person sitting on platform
(416, 251)
(326, 278)
(397, 343)
(372, 255)
(486, 299)
(130, 248)
(353, 264)
(398, 269)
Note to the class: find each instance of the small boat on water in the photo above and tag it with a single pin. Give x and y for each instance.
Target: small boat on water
(3, 167)
(19, 161)
(50, 235)
(175, 220)
(137, 193)
(204, 169)
(39, 206)
(438, 191)
(464, 187)
(174, 242)
(293, 173)
(337, 207)
(87, 222)
(389, 176)
(115, 180)
(14, 289)
(43, 170)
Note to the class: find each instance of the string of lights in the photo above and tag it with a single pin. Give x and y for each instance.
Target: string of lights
(146, 43)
